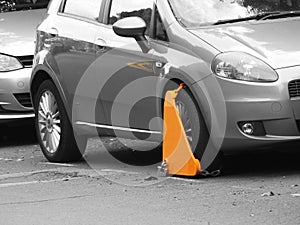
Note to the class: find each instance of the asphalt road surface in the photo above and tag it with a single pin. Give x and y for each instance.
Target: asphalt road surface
(256, 188)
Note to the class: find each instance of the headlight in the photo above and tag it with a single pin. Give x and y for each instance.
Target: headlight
(242, 66)
(8, 63)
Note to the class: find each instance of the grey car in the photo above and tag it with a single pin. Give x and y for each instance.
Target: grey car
(18, 20)
(103, 67)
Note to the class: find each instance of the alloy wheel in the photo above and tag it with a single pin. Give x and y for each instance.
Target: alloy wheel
(183, 113)
(49, 122)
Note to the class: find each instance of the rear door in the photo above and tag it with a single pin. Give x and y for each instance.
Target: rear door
(73, 32)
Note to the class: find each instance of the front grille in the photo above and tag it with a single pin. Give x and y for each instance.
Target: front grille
(24, 99)
(26, 60)
(294, 89)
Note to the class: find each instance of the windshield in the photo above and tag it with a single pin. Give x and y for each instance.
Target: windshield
(17, 5)
(194, 13)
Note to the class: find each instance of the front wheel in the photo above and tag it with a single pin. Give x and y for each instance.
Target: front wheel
(196, 129)
(54, 130)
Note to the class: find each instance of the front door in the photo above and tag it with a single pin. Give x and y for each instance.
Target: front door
(126, 74)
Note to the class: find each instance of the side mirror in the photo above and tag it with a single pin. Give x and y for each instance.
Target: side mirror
(134, 27)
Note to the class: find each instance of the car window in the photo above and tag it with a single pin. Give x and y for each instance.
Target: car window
(121, 9)
(160, 32)
(17, 5)
(88, 8)
(194, 13)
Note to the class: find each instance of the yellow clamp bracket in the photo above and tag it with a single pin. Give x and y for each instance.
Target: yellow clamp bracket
(178, 158)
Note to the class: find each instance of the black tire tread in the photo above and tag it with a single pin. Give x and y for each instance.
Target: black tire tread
(200, 131)
(68, 149)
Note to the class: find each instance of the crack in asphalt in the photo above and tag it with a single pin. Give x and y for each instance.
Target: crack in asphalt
(37, 182)
(25, 174)
(73, 173)
(43, 176)
(44, 200)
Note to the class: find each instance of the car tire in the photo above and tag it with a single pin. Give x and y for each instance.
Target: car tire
(196, 130)
(54, 130)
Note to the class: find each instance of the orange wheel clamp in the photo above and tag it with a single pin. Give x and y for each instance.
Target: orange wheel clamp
(178, 158)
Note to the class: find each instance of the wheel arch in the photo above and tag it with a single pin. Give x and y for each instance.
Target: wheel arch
(196, 93)
(39, 75)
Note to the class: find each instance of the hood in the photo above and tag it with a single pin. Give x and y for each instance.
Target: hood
(18, 31)
(274, 41)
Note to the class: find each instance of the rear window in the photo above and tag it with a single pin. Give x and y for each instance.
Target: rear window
(21, 5)
(89, 9)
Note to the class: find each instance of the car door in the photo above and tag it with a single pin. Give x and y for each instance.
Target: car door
(126, 74)
(73, 32)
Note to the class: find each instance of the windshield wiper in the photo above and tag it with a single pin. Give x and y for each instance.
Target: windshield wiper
(260, 16)
(280, 15)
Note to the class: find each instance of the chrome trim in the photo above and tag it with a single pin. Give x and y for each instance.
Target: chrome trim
(4, 103)
(16, 116)
(275, 137)
(295, 98)
(117, 128)
(272, 137)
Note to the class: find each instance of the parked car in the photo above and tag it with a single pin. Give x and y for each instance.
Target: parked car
(239, 62)
(18, 22)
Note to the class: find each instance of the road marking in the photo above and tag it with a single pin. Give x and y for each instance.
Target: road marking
(58, 164)
(295, 195)
(6, 159)
(116, 171)
(185, 180)
(246, 188)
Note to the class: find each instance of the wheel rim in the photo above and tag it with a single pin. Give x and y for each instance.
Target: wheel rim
(183, 113)
(49, 122)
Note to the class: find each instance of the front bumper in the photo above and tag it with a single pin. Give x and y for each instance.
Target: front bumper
(267, 103)
(15, 100)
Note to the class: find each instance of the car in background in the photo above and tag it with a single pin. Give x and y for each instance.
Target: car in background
(238, 60)
(18, 22)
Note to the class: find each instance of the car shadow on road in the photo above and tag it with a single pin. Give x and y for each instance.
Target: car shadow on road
(280, 160)
(127, 152)
(17, 134)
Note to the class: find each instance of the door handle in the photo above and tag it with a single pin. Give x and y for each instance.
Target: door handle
(53, 32)
(100, 42)
(101, 45)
